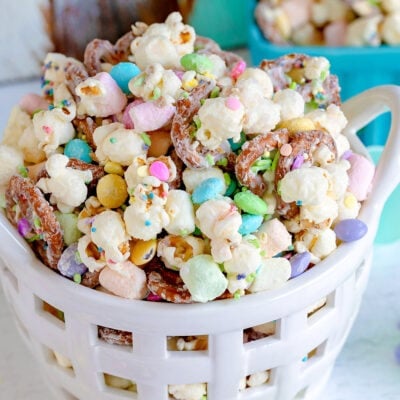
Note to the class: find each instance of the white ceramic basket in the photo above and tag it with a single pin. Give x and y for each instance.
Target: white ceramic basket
(340, 279)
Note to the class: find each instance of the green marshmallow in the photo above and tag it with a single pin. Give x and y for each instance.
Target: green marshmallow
(68, 223)
(197, 62)
(250, 203)
(203, 278)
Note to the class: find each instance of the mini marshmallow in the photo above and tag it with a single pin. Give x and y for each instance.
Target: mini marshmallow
(291, 104)
(179, 207)
(174, 251)
(67, 185)
(32, 102)
(109, 234)
(115, 143)
(100, 96)
(149, 116)
(273, 237)
(307, 186)
(156, 82)
(203, 278)
(272, 274)
(360, 174)
(219, 122)
(128, 282)
(52, 130)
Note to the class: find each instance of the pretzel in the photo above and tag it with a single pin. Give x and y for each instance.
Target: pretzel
(25, 202)
(251, 151)
(115, 336)
(98, 51)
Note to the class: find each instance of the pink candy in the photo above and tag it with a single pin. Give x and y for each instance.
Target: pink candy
(149, 117)
(361, 174)
(32, 102)
(159, 170)
(238, 69)
(233, 103)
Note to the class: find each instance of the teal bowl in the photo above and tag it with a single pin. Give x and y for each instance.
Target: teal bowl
(358, 69)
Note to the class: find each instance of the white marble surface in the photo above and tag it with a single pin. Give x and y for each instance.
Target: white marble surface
(365, 370)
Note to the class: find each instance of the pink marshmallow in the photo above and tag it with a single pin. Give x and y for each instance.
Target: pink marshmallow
(149, 117)
(128, 282)
(360, 174)
(32, 102)
(335, 33)
(126, 118)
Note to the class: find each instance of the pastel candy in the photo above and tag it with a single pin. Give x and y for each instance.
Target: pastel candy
(32, 102)
(143, 251)
(272, 274)
(360, 174)
(250, 203)
(197, 62)
(78, 148)
(349, 230)
(250, 223)
(126, 118)
(122, 73)
(69, 226)
(148, 116)
(207, 190)
(299, 263)
(203, 278)
(128, 282)
(70, 264)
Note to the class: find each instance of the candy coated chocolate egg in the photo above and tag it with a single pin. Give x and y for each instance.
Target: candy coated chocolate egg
(250, 203)
(112, 191)
(143, 251)
(78, 148)
(250, 223)
(349, 230)
(299, 263)
(207, 190)
(70, 263)
(197, 62)
(122, 73)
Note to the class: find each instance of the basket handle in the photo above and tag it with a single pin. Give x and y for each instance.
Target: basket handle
(361, 110)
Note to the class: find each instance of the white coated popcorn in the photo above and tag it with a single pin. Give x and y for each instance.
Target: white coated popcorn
(10, 160)
(155, 82)
(63, 99)
(348, 207)
(85, 254)
(179, 207)
(257, 77)
(315, 67)
(116, 143)
(364, 32)
(194, 177)
(146, 217)
(220, 221)
(219, 122)
(138, 173)
(391, 29)
(390, 5)
(52, 130)
(257, 379)
(17, 122)
(67, 185)
(273, 237)
(339, 180)
(188, 391)
(219, 66)
(326, 210)
(320, 243)
(164, 43)
(328, 10)
(272, 274)
(291, 103)
(174, 251)
(305, 185)
(54, 67)
(108, 233)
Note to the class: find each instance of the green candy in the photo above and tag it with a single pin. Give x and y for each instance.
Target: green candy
(197, 62)
(69, 227)
(250, 203)
(203, 278)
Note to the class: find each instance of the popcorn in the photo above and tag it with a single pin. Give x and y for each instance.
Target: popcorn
(67, 185)
(190, 391)
(11, 159)
(273, 237)
(291, 104)
(194, 177)
(320, 243)
(391, 28)
(364, 32)
(180, 209)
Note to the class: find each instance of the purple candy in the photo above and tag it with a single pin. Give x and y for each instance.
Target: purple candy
(299, 263)
(298, 162)
(69, 263)
(349, 230)
(346, 155)
(24, 227)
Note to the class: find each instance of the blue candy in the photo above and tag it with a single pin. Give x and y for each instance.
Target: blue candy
(250, 223)
(207, 190)
(69, 264)
(232, 185)
(122, 73)
(299, 263)
(349, 230)
(78, 148)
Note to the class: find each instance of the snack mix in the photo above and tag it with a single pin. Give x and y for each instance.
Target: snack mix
(330, 22)
(163, 168)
